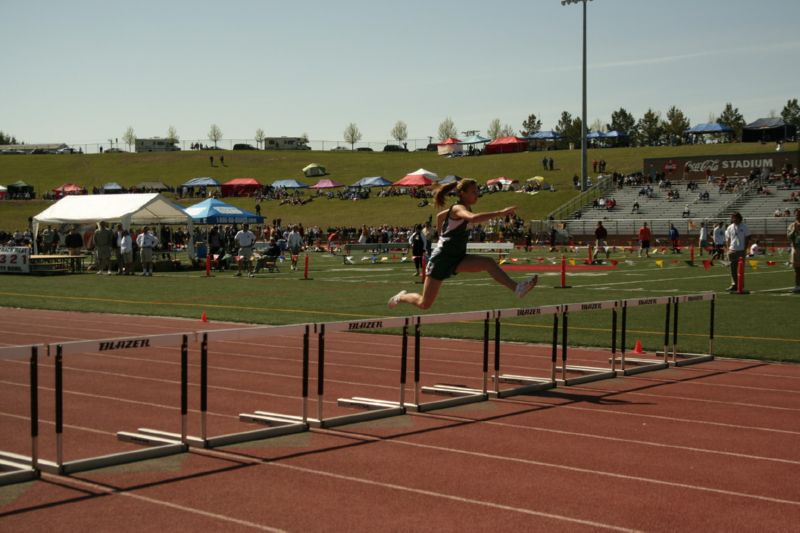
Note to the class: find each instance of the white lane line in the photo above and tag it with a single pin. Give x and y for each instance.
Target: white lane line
(83, 484)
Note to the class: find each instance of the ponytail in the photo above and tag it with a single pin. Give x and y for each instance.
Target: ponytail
(440, 191)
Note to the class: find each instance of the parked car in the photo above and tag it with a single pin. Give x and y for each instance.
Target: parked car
(340, 149)
(394, 148)
(364, 149)
(244, 147)
(113, 151)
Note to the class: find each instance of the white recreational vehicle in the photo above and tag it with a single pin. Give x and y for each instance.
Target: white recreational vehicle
(156, 144)
(285, 143)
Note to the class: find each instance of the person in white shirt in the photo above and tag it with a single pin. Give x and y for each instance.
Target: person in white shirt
(719, 241)
(146, 242)
(737, 236)
(245, 239)
(755, 250)
(703, 240)
(793, 234)
(125, 242)
(294, 242)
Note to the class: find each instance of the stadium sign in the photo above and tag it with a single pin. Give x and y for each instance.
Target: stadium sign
(699, 167)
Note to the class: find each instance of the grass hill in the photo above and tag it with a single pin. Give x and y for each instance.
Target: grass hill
(46, 172)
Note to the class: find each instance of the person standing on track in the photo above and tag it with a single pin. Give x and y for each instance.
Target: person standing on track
(294, 243)
(450, 256)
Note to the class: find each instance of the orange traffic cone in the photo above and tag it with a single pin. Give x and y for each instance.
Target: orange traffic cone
(203, 317)
(638, 348)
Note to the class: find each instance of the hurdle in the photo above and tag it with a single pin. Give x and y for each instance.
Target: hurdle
(585, 374)
(279, 424)
(526, 384)
(373, 408)
(14, 467)
(682, 358)
(158, 447)
(636, 365)
(458, 394)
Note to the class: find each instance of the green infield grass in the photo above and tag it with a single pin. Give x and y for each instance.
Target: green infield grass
(759, 325)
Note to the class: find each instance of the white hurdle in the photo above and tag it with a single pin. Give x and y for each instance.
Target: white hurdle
(16, 467)
(526, 384)
(158, 447)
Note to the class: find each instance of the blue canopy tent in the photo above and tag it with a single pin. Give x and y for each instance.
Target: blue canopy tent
(768, 130)
(545, 135)
(708, 127)
(201, 182)
(288, 184)
(596, 135)
(111, 188)
(213, 211)
(373, 181)
(450, 179)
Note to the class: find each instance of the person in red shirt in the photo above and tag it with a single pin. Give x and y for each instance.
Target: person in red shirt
(644, 240)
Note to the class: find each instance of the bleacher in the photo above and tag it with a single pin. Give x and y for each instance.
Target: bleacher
(657, 209)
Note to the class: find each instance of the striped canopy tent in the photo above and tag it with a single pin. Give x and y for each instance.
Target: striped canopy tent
(449, 146)
(433, 176)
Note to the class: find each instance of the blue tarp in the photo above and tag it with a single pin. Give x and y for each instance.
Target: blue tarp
(201, 182)
(213, 211)
(709, 127)
(374, 181)
(546, 135)
(288, 184)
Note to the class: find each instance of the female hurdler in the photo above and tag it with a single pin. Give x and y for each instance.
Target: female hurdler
(450, 256)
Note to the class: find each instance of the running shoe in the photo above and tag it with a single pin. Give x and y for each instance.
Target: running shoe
(394, 300)
(524, 287)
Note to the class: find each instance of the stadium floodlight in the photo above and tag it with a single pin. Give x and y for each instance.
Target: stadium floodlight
(584, 169)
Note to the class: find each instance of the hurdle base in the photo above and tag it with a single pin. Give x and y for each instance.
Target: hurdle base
(114, 459)
(563, 287)
(459, 395)
(375, 410)
(588, 374)
(527, 385)
(685, 359)
(640, 366)
(16, 469)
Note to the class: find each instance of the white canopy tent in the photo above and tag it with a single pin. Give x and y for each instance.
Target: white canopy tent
(125, 209)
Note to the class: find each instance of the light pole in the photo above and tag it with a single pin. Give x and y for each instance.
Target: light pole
(584, 169)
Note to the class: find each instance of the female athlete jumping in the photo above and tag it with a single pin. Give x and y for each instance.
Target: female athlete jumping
(450, 255)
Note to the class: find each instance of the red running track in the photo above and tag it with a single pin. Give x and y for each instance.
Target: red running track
(712, 447)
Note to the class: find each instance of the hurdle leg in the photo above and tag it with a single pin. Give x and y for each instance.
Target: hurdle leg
(666, 332)
(675, 332)
(204, 388)
(320, 371)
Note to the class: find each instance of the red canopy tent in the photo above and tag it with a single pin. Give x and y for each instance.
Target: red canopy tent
(241, 187)
(413, 180)
(506, 145)
(327, 183)
(69, 188)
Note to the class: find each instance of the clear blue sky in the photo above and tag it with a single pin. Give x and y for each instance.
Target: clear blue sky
(83, 71)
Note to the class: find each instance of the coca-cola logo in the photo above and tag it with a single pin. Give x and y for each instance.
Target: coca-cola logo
(702, 166)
